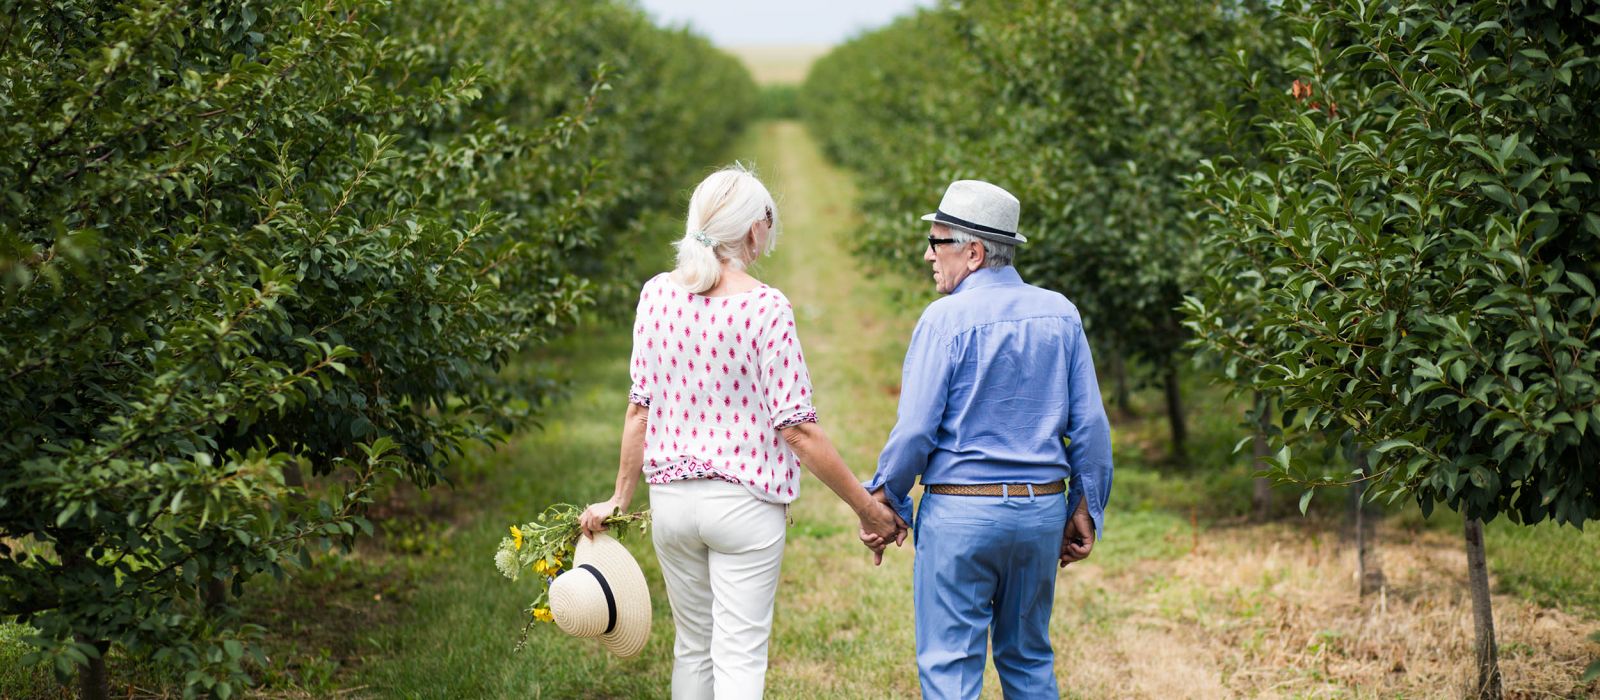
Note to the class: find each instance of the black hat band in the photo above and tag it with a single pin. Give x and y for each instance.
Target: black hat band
(944, 218)
(611, 600)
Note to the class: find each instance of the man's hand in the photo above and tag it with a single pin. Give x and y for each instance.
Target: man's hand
(880, 526)
(1078, 539)
(593, 518)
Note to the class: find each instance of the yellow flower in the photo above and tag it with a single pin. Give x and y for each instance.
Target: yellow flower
(542, 615)
(516, 537)
(539, 566)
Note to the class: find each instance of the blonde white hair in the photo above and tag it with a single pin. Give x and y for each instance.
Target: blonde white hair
(722, 211)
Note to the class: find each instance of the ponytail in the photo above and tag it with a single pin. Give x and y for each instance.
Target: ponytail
(699, 268)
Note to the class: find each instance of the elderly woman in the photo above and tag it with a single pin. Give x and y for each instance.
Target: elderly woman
(719, 421)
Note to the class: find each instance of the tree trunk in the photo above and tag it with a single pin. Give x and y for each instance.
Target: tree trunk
(1482, 614)
(1369, 566)
(1180, 433)
(93, 684)
(1119, 380)
(1262, 497)
(214, 593)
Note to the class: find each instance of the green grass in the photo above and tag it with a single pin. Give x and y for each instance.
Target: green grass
(16, 680)
(1555, 566)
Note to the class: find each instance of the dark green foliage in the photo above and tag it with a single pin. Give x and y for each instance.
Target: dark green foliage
(241, 241)
(1090, 112)
(1411, 254)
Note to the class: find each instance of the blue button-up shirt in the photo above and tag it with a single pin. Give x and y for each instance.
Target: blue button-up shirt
(999, 387)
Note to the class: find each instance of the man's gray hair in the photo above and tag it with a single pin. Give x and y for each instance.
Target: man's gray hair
(995, 254)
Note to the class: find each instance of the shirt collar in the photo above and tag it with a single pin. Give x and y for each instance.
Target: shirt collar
(988, 277)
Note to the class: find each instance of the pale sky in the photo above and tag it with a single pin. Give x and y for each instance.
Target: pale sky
(779, 22)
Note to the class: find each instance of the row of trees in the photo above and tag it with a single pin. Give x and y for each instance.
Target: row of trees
(241, 242)
(1089, 112)
(1377, 215)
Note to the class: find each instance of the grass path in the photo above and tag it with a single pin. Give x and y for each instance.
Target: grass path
(1181, 600)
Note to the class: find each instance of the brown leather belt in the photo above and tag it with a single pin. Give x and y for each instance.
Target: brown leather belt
(1013, 490)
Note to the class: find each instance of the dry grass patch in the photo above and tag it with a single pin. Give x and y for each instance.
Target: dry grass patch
(1273, 611)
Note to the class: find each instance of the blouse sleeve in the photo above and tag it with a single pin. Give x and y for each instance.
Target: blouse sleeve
(639, 365)
(785, 381)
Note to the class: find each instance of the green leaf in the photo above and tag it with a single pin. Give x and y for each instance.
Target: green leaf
(1480, 476)
(1385, 446)
(1305, 500)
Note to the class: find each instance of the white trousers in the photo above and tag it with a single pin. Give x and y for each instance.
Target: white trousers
(720, 549)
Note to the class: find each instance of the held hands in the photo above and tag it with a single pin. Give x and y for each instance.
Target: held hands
(1078, 539)
(593, 518)
(881, 525)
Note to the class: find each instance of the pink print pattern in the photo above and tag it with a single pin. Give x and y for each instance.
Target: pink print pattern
(718, 397)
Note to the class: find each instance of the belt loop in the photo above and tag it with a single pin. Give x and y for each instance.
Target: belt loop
(1030, 493)
(1005, 493)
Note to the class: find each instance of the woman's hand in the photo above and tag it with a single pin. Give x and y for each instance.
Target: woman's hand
(593, 518)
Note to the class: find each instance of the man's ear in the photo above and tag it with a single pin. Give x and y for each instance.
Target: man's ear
(975, 255)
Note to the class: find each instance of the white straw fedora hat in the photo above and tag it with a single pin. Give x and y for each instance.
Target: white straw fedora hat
(604, 595)
(980, 209)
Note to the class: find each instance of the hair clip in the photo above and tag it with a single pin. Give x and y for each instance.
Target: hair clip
(703, 238)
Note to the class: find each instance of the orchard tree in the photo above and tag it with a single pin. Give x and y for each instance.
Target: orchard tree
(1420, 238)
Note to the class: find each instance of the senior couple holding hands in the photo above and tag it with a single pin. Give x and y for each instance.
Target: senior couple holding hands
(1000, 416)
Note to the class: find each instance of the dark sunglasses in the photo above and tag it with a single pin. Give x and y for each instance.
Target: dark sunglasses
(933, 243)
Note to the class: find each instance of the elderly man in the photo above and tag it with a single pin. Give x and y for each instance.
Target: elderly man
(999, 406)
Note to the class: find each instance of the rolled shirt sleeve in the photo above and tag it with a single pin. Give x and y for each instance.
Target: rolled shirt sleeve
(1089, 436)
(924, 387)
(639, 362)
(785, 381)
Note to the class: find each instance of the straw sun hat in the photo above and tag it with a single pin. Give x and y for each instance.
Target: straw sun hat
(603, 595)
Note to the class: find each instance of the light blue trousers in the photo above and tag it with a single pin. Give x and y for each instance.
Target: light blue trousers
(985, 572)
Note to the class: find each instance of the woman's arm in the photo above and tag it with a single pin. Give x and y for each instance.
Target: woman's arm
(629, 469)
(817, 453)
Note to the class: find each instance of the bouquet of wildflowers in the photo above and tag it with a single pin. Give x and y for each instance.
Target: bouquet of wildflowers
(545, 546)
